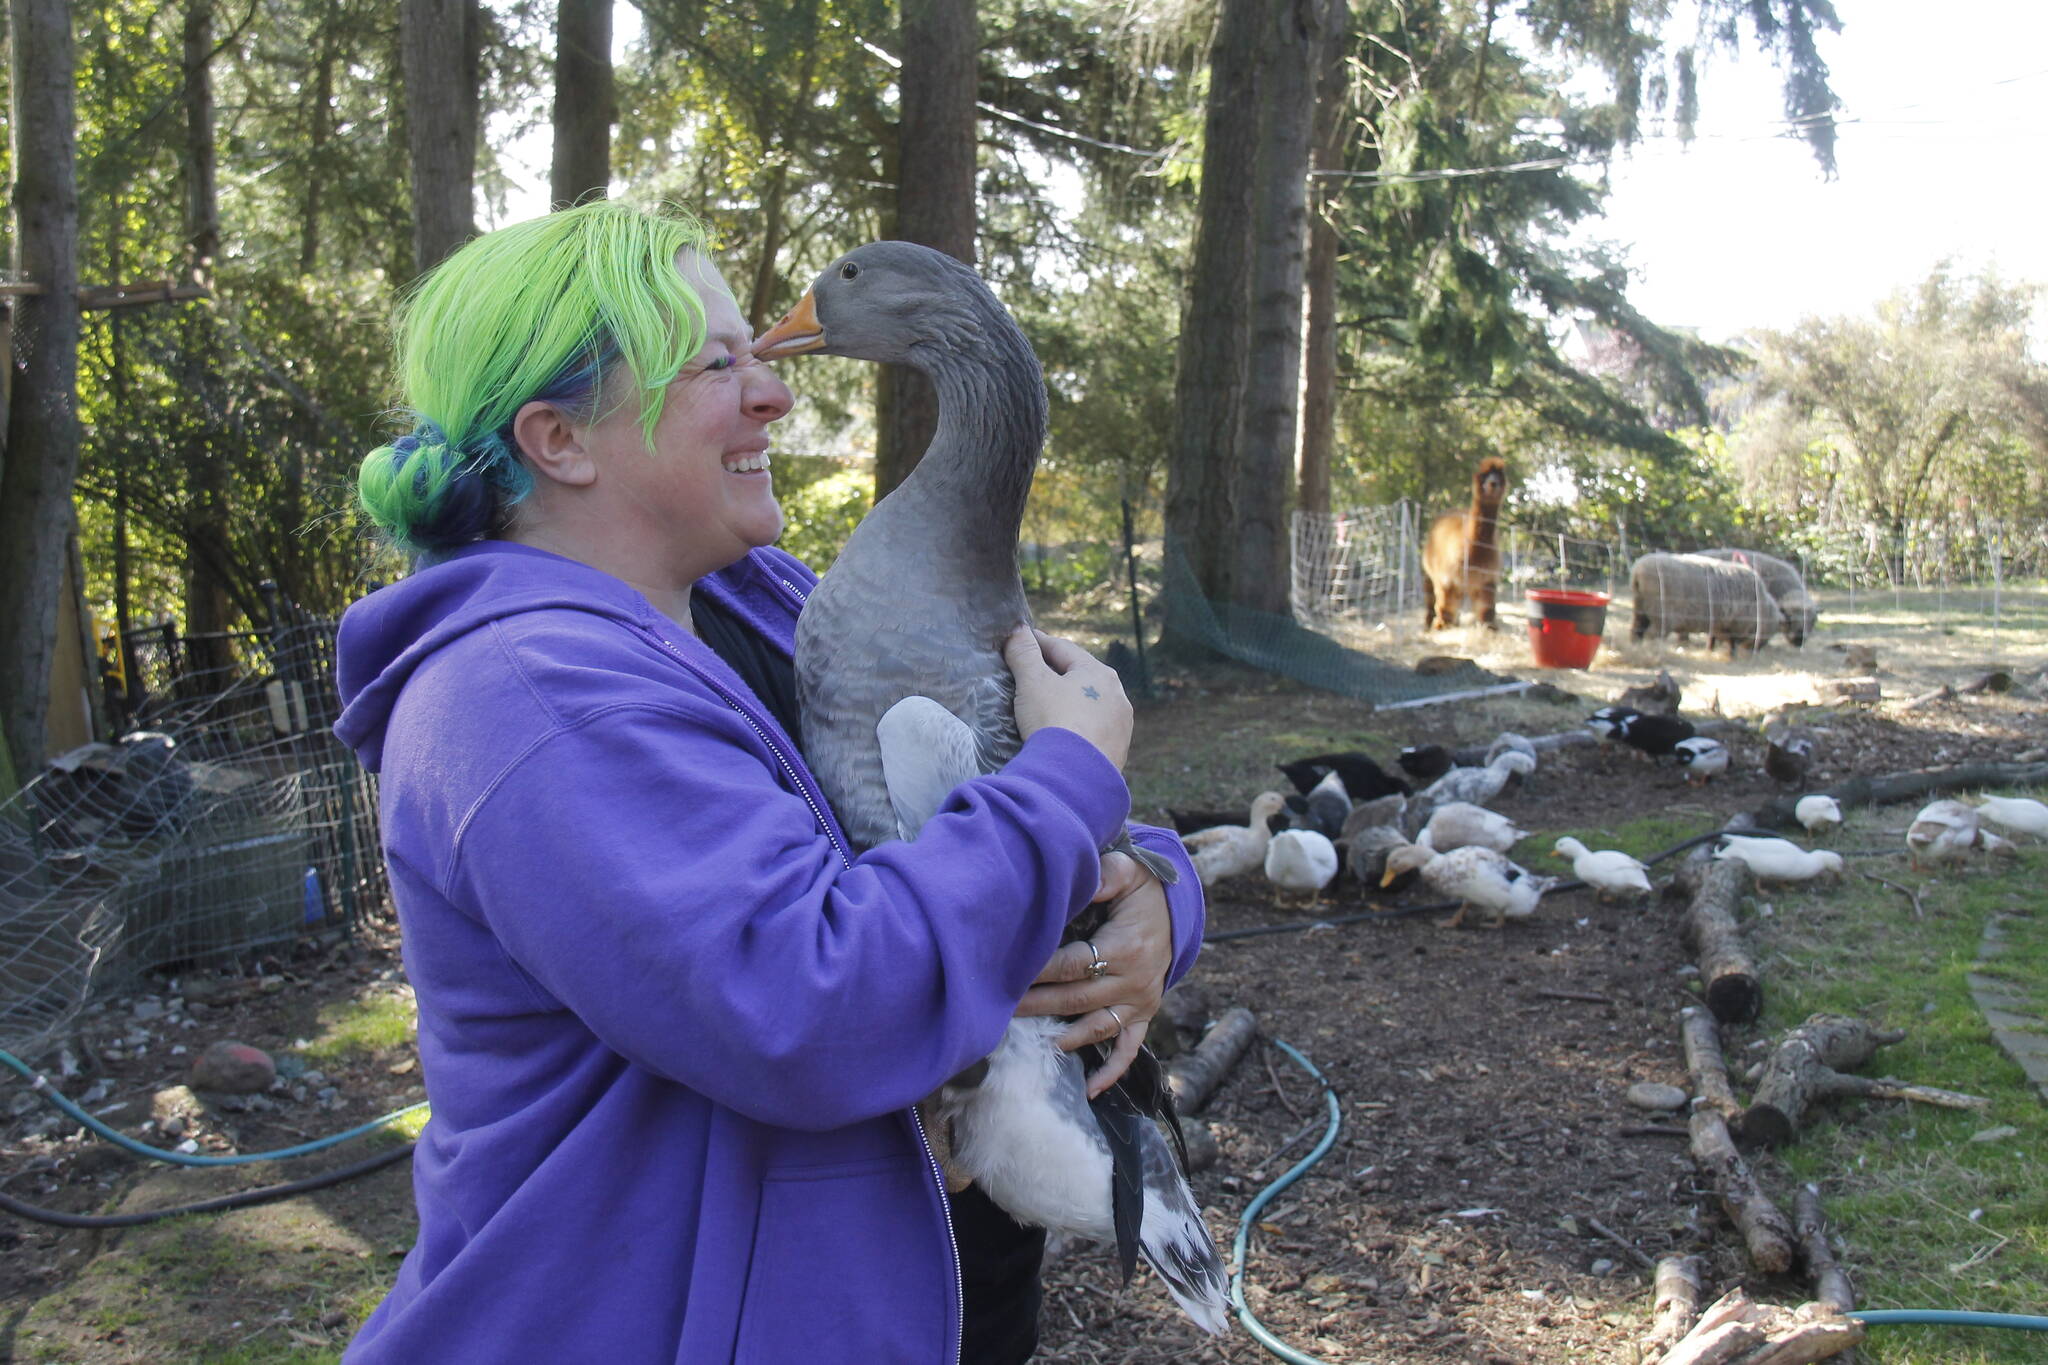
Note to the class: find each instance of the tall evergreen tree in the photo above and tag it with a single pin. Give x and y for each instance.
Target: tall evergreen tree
(40, 460)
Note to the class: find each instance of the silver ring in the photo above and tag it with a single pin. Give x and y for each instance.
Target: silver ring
(1098, 968)
(1118, 1017)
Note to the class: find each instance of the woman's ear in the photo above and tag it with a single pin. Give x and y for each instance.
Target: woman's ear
(553, 445)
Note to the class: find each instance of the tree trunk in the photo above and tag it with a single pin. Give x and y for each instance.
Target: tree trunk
(1214, 336)
(321, 132)
(935, 203)
(1319, 345)
(585, 106)
(39, 463)
(202, 194)
(439, 43)
(1264, 473)
(207, 612)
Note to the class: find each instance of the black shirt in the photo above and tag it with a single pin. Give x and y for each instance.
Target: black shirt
(999, 1259)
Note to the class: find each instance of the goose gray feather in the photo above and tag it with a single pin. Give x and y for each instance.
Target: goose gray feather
(904, 693)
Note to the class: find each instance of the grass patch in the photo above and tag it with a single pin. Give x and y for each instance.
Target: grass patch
(371, 1024)
(1935, 1208)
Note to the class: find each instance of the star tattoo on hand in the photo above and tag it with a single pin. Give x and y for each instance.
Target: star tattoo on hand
(1091, 694)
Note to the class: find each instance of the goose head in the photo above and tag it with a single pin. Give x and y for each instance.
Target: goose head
(895, 303)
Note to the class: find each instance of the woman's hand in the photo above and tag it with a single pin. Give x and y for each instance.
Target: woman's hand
(1136, 943)
(1059, 683)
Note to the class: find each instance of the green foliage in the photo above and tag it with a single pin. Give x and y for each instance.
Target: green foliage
(1928, 418)
(823, 499)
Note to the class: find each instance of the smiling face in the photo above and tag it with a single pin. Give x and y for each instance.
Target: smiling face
(699, 496)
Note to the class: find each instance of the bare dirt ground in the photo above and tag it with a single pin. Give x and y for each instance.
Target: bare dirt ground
(1486, 1141)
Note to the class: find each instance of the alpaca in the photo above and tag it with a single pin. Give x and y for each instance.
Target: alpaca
(1459, 559)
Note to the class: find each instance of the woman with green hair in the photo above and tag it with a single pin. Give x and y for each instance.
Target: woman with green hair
(672, 1029)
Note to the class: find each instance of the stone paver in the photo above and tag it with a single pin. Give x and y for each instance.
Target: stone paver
(2014, 1026)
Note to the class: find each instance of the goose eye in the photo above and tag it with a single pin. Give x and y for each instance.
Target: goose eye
(848, 271)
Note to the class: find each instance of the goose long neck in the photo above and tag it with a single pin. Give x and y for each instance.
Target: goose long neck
(991, 428)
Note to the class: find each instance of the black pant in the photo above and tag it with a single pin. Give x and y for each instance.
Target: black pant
(1000, 1293)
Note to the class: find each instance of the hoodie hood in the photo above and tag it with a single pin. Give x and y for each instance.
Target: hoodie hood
(385, 637)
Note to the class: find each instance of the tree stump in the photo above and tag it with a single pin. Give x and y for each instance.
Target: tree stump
(1195, 1075)
(1765, 1230)
(1803, 1068)
(1729, 973)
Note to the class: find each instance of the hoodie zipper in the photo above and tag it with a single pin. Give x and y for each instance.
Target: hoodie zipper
(924, 1142)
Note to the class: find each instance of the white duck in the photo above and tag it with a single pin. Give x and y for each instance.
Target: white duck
(2016, 813)
(1471, 876)
(1701, 758)
(1461, 824)
(1301, 861)
(1779, 860)
(1480, 785)
(1817, 812)
(1609, 872)
(1234, 850)
(1944, 831)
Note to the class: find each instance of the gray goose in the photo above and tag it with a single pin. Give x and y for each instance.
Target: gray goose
(904, 694)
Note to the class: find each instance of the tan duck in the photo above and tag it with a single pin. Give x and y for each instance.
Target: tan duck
(1234, 850)
(1471, 876)
(1945, 831)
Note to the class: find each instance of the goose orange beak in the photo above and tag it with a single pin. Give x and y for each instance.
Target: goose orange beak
(1388, 879)
(799, 331)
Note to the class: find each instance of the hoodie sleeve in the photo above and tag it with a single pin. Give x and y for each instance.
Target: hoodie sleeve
(647, 870)
(1185, 900)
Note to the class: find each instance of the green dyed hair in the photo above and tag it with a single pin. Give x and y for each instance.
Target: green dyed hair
(544, 310)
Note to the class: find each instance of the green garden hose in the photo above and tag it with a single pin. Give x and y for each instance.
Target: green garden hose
(48, 1091)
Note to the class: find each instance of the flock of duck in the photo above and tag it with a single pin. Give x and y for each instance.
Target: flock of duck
(1431, 823)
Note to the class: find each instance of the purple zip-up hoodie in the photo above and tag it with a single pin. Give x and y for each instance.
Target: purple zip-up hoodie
(671, 1027)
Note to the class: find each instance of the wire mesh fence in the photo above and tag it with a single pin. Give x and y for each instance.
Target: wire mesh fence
(235, 823)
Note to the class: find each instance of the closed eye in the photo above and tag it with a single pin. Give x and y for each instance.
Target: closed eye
(724, 362)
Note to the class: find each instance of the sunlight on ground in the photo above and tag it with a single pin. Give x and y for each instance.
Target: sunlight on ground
(1922, 638)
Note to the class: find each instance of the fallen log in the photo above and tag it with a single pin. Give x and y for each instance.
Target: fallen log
(1766, 1232)
(1804, 1067)
(1739, 1331)
(1729, 974)
(1677, 1303)
(1905, 786)
(1939, 694)
(1196, 1075)
(1703, 1060)
(1831, 1286)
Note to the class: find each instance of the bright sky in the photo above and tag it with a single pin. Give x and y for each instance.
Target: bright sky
(1940, 154)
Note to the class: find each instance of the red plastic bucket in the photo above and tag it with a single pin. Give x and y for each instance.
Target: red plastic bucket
(1565, 626)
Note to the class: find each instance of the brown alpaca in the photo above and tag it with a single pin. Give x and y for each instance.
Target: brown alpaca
(1459, 559)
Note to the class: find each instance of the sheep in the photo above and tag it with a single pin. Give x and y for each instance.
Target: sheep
(1680, 594)
(1795, 604)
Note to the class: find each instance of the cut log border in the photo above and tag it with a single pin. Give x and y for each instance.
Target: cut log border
(1733, 990)
(1904, 786)
(1766, 1232)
